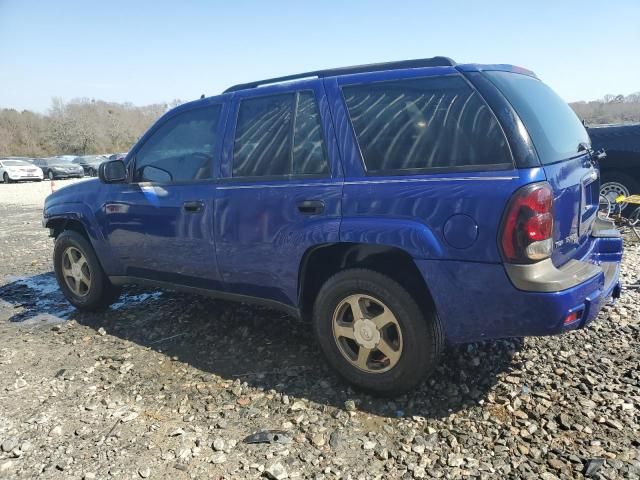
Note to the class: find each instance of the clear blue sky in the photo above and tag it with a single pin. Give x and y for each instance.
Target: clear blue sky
(147, 52)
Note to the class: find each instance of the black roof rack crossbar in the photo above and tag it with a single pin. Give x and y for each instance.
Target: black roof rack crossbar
(332, 72)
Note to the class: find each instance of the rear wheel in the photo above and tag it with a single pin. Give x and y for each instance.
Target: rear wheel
(6, 178)
(51, 175)
(92, 172)
(374, 333)
(80, 275)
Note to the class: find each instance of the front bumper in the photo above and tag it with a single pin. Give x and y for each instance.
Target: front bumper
(17, 177)
(68, 174)
(478, 301)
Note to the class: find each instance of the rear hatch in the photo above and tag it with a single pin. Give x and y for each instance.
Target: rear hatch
(564, 149)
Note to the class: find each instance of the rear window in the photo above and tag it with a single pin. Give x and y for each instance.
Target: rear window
(555, 129)
(411, 125)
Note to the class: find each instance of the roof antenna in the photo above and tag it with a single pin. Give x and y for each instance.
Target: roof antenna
(201, 96)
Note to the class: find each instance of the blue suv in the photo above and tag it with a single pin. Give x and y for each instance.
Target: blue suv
(394, 206)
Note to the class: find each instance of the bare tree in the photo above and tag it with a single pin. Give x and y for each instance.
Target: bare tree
(81, 126)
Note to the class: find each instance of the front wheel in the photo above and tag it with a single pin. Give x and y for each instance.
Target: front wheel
(374, 334)
(6, 178)
(80, 275)
(92, 172)
(51, 175)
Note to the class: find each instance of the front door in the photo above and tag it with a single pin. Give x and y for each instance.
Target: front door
(279, 191)
(160, 225)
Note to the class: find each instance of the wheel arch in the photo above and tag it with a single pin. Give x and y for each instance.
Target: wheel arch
(321, 262)
(57, 225)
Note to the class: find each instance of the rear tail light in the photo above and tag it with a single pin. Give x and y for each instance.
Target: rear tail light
(527, 225)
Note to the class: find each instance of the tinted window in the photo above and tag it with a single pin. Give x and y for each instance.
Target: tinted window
(308, 144)
(424, 123)
(555, 129)
(181, 149)
(266, 131)
(262, 144)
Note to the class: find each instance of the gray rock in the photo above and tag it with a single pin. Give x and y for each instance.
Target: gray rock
(350, 406)
(144, 472)
(276, 471)
(218, 444)
(337, 440)
(9, 444)
(592, 466)
(218, 457)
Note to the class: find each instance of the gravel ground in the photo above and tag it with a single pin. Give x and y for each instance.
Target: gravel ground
(164, 385)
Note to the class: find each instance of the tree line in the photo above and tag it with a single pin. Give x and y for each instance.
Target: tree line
(78, 127)
(610, 109)
(87, 126)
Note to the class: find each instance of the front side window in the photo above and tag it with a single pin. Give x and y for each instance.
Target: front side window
(279, 135)
(424, 123)
(181, 149)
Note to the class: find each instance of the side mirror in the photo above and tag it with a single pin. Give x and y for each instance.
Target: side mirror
(112, 171)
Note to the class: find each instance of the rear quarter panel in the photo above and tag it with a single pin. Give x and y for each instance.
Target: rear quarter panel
(412, 211)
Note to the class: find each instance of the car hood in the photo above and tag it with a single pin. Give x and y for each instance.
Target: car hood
(75, 193)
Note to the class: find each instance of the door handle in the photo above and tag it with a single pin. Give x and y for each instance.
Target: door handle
(310, 207)
(193, 206)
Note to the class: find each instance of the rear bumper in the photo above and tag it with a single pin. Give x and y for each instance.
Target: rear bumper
(479, 301)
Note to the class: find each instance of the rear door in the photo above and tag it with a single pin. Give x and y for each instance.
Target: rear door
(563, 147)
(279, 191)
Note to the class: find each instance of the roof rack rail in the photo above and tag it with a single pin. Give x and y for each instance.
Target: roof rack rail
(331, 72)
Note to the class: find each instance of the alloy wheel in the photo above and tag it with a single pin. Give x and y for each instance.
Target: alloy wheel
(367, 333)
(76, 272)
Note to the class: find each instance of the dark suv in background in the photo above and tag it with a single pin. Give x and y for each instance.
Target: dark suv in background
(90, 163)
(394, 206)
(620, 169)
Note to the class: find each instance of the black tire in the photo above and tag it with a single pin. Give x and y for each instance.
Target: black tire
(6, 178)
(102, 292)
(421, 331)
(626, 181)
(51, 175)
(92, 172)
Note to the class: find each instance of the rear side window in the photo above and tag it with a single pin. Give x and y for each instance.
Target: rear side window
(425, 123)
(181, 149)
(556, 131)
(279, 135)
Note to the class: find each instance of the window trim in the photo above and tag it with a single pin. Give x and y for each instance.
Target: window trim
(290, 176)
(131, 166)
(425, 170)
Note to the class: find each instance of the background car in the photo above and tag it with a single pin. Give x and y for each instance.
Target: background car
(13, 170)
(59, 167)
(90, 163)
(620, 169)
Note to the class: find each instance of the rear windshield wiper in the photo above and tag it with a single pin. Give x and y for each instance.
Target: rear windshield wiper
(585, 147)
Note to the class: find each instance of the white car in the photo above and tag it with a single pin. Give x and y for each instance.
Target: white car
(18, 170)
